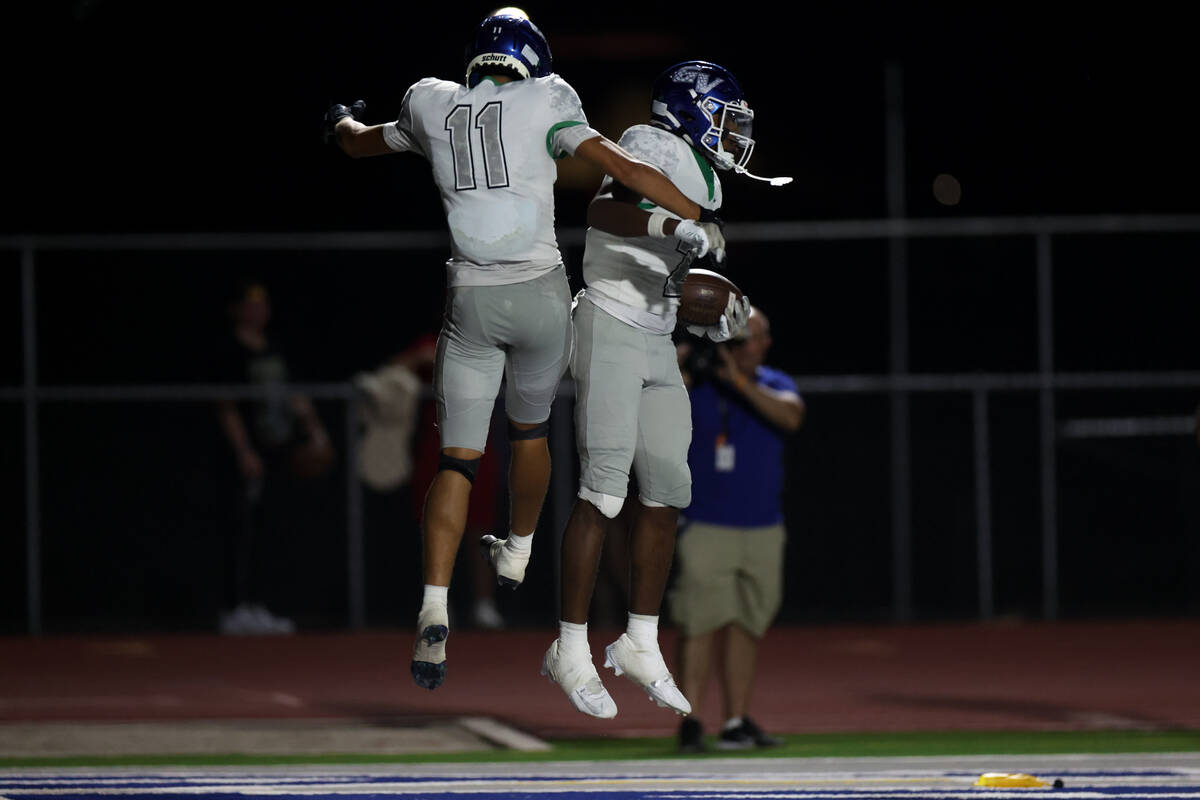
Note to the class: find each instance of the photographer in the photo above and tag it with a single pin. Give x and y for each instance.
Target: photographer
(729, 583)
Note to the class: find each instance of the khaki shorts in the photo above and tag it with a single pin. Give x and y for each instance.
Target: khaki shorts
(727, 575)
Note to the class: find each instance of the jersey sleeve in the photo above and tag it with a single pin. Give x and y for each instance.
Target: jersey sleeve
(570, 126)
(399, 135)
(649, 145)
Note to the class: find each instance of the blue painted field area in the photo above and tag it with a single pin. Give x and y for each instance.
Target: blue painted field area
(1133, 776)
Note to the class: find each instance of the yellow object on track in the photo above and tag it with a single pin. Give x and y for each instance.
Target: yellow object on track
(1010, 780)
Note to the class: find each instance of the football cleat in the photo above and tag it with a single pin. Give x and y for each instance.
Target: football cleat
(645, 667)
(429, 654)
(508, 41)
(510, 569)
(576, 675)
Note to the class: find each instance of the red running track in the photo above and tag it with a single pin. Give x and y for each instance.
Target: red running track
(812, 679)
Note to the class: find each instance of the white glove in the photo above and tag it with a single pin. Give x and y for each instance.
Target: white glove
(717, 333)
(732, 322)
(695, 235)
(716, 240)
(738, 312)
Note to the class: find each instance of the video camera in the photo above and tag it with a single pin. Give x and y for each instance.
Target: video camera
(702, 361)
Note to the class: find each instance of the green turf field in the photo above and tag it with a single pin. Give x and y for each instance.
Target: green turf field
(795, 746)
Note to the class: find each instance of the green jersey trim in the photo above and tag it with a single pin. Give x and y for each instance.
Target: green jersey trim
(571, 123)
(707, 171)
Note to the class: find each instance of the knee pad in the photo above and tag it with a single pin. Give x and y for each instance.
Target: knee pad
(609, 506)
(539, 431)
(463, 466)
(651, 503)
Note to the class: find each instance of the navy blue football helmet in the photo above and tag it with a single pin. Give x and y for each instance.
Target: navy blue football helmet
(508, 40)
(704, 104)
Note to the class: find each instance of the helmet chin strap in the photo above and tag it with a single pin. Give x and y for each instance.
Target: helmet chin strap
(772, 181)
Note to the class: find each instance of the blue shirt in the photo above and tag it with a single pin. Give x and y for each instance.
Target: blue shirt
(749, 494)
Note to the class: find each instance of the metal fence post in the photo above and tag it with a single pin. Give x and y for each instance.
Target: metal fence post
(983, 504)
(898, 353)
(33, 524)
(354, 521)
(1049, 436)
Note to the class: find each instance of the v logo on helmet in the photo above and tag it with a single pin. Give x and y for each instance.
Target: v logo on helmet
(703, 82)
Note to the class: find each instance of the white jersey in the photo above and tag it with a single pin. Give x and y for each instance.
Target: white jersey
(637, 279)
(492, 149)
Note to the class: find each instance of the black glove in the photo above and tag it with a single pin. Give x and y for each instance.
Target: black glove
(339, 112)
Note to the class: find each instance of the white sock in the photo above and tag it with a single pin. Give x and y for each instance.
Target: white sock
(518, 544)
(732, 723)
(642, 629)
(572, 636)
(434, 596)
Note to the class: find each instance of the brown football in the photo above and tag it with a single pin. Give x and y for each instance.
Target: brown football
(704, 297)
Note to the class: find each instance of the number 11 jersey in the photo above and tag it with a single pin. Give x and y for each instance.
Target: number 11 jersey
(492, 150)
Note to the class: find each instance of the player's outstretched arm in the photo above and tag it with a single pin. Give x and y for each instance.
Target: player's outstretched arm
(356, 139)
(639, 176)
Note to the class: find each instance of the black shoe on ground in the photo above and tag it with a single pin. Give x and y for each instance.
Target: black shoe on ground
(745, 736)
(691, 736)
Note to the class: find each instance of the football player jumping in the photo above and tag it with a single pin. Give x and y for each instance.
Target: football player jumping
(631, 407)
(492, 143)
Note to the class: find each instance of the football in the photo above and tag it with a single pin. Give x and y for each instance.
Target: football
(704, 296)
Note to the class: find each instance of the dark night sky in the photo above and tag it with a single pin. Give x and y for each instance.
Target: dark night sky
(167, 116)
(147, 116)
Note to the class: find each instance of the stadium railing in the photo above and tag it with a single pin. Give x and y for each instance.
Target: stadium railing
(897, 384)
